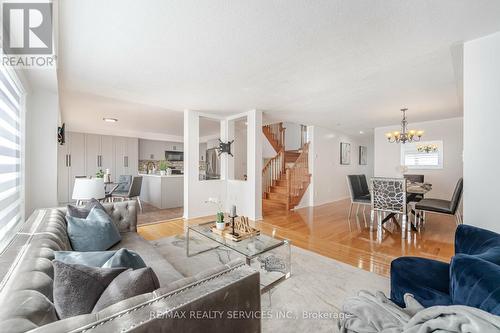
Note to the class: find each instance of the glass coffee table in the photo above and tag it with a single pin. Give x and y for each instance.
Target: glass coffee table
(270, 255)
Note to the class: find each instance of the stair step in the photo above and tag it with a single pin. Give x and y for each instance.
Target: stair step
(281, 182)
(274, 203)
(277, 196)
(278, 189)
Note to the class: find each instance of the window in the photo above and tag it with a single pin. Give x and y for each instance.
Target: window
(11, 155)
(422, 155)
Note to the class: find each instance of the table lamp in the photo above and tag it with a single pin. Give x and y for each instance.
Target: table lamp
(88, 188)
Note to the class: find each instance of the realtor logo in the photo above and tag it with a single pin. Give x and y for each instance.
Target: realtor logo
(27, 28)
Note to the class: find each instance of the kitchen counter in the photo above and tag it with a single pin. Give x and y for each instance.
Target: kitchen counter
(163, 191)
(158, 175)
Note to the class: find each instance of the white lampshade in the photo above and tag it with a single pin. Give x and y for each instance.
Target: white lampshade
(86, 189)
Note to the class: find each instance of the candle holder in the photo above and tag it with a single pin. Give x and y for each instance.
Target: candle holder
(232, 225)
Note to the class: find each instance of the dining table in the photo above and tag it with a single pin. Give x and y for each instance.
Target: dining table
(413, 191)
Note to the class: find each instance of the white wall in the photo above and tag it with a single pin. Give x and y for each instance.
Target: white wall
(292, 136)
(450, 131)
(42, 115)
(328, 181)
(267, 150)
(239, 150)
(481, 119)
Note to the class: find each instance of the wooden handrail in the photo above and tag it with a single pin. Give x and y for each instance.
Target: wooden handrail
(273, 170)
(297, 175)
(276, 135)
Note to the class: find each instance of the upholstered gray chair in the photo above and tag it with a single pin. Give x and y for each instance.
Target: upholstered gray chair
(124, 182)
(447, 207)
(389, 196)
(359, 192)
(134, 191)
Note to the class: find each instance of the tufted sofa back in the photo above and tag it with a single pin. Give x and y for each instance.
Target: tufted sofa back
(28, 286)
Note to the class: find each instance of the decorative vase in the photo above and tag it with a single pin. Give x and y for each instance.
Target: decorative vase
(162, 172)
(169, 172)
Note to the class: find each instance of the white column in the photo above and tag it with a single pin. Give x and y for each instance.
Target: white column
(254, 163)
(481, 119)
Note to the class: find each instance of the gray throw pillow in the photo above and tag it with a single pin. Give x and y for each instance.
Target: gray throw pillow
(108, 259)
(77, 288)
(83, 212)
(128, 284)
(97, 232)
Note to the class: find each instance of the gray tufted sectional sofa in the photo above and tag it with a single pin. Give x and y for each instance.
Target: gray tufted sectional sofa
(26, 289)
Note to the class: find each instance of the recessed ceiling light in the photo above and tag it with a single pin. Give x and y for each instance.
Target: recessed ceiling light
(361, 132)
(110, 120)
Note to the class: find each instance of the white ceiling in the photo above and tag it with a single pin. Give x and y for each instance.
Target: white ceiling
(346, 65)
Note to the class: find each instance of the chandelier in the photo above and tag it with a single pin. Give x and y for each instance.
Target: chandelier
(405, 135)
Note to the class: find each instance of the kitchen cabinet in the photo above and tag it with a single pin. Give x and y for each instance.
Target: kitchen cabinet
(155, 150)
(126, 155)
(84, 154)
(163, 191)
(71, 164)
(98, 153)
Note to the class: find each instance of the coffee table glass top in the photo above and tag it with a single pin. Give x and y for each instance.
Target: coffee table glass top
(250, 247)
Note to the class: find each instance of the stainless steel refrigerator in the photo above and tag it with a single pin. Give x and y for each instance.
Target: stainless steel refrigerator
(213, 164)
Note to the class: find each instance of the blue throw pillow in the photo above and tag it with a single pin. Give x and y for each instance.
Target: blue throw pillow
(475, 282)
(106, 259)
(97, 232)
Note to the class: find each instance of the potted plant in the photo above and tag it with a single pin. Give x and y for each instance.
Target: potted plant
(99, 174)
(164, 166)
(219, 221)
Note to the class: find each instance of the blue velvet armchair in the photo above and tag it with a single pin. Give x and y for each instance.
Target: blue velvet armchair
(472, 277)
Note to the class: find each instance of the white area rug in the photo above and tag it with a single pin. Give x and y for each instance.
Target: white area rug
(309, 301)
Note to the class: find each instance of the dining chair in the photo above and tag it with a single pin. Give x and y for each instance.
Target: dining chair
(134, 191)
(414, 178)
(440, 206)
(357, 192)
(124, 182)
(389, 196)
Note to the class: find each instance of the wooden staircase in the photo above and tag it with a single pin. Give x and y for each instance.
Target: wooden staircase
(286, 176)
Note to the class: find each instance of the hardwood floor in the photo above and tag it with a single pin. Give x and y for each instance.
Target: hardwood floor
(326, 230)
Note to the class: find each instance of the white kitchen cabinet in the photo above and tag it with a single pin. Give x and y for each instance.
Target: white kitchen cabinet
(133, 156)
(71, 164)
(92, 153)
(107, 154)
(98, 154)
(163, 191)
(155, 150)
(126, 155)
(85, 154)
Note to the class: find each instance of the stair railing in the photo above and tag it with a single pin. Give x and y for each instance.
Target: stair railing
(297, 175)
(277, 133)
(272, 171)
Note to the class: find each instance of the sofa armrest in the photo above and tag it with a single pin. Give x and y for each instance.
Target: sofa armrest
(473, 240)
(226, 302)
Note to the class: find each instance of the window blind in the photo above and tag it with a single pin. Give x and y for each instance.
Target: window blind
(412, 158)
(11, 138)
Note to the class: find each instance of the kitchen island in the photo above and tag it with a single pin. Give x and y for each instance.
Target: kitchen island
(163, 191)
